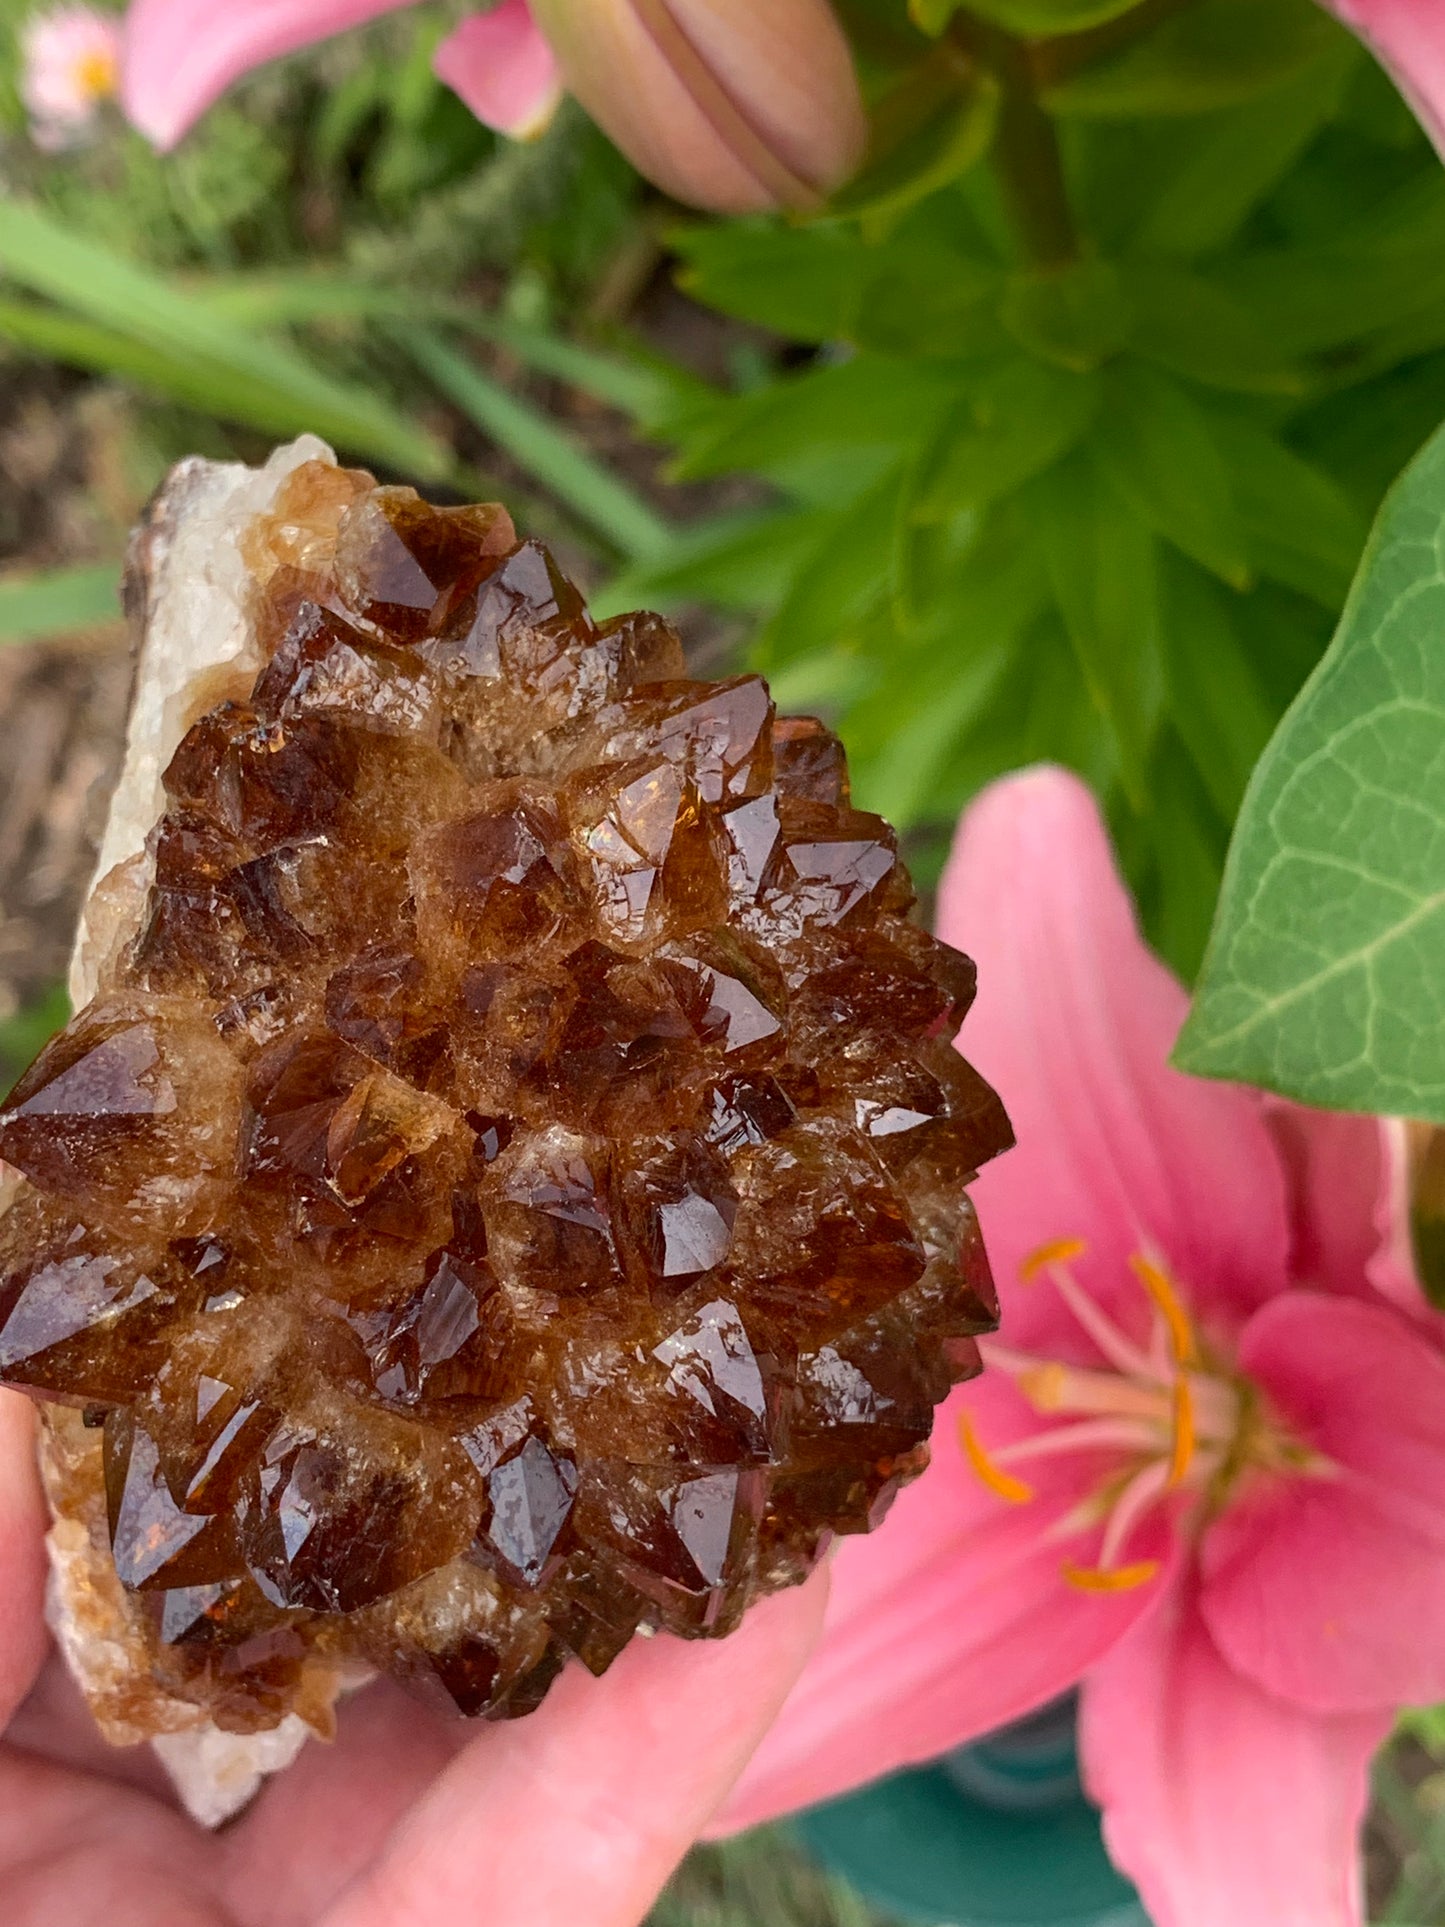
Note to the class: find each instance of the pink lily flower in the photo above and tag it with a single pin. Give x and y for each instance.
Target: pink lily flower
(1204, 1473)
(182, 55)
(725, 103)
(1408, 38)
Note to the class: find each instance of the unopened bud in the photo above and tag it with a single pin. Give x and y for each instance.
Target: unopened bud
(736, 105)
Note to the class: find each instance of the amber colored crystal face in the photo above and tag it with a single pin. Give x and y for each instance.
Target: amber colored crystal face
(511, 1190)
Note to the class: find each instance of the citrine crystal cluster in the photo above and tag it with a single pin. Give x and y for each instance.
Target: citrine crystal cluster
(508, 1192)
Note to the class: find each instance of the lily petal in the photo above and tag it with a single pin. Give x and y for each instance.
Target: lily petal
(1330, 1590)
(1074, 1022)
(951, 1619)
(1348, 1184)
(1226, 1808)
(1408, 37)
(180, 55)
(503, 69)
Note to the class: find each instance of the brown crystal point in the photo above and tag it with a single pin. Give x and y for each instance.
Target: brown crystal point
(511, 1191)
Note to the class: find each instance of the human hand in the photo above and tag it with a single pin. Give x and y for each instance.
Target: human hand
(577, 1813)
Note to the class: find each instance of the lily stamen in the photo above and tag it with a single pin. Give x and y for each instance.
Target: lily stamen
(1088, 1434)
(1015, 1491)
(1120, 1579)
(1160, 1422)
(1182, 1453)
(1161, 1288)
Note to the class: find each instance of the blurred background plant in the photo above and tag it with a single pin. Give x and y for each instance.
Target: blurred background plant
(1056, 434)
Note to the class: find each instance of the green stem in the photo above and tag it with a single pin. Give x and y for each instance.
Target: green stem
(1026, 154)
(1026, 151)
(1026, 148)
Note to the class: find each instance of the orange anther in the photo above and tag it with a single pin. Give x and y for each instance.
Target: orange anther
(1110, 1579)
(1161, 1288)
(1058, 1251)
(1182, 1451)
(993, 1476)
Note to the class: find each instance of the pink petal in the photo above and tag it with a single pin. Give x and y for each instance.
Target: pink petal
(1408, 37)
(1074, 1021)
(1330, 1591)
(727, 104)
(1226, 1808)
(180, 55)
(1348, 1185)
(503, 69)
(951, 1619)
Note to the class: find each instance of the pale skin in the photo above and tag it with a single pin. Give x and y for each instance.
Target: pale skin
(575, 1814)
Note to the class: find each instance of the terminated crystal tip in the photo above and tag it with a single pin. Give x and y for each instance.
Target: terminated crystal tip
(509, 1191)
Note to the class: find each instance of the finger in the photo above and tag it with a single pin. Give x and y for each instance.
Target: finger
(73, 1849)
(302, 1826)
(54, 1722)
(582, 1810)
(23, 1521)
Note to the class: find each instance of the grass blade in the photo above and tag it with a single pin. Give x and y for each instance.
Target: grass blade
(33, 607)
(274, 300)
(259, 381)
(593, 494)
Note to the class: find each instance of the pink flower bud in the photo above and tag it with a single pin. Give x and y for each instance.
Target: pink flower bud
(729, 104)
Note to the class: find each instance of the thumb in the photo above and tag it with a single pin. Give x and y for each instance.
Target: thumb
(583, 1809)
(23, 1639)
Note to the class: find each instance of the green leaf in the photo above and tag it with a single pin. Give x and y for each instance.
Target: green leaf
(1050, 16)
(1157, 446)
(1212, 55)
(827, 680)
(208, 387)
(1301, 528)
(1231, 161)
(1217, 704)
(806, 283)
(35, 606)
(594, 494)
(851, 408)
(276, 300)
(1193, 328)
(1076, 316)
(901, 780)
(1011, 423)
(24, 1035)
(1101, 563)
(924, 301)
(923, 139)
(257, 381)
(1384, 272)
(1178, 854)
(1323, 978)
(743, 563)
(841, 583)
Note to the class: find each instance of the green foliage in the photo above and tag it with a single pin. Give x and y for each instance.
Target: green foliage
(1085, 452)
(1216, 54)
(1322, 980)
(600, 499)
(759, 1880)
(23, 1034)
(141, 325)
(33, 607)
